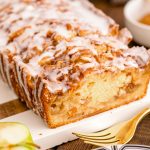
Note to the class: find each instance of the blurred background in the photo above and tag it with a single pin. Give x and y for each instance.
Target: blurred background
(113, 8)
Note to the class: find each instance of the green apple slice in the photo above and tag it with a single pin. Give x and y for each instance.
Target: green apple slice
(15, 136)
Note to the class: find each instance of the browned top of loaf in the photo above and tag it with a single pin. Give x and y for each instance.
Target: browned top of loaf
(56, 40)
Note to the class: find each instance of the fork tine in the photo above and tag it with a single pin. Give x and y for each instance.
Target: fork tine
(111, 140)
(109, 136)
(102, 143)
(98, 134)
(98, 138)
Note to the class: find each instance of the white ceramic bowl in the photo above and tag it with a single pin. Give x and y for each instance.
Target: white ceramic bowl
(133, 11)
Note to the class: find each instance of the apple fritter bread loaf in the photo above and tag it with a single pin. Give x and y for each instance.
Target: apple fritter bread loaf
(67, 60)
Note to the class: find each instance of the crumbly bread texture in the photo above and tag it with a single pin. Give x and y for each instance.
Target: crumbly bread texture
(67, 60)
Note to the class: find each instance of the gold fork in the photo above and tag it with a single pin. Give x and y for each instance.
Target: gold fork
(120, 133)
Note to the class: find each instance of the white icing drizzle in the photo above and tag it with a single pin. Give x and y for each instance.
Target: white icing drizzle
(56, 73)
(75, 76)
(86, 66)
(3, 38)
(39, 102)
(22, 83)
(54, 87)
(95, 20)
(110, 41)
(122, 63)
(35, 99)
(63, 32)
(125, 36)
(141, 52)
(7, 66)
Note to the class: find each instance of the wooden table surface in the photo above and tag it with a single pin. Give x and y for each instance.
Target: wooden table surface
(142, 135)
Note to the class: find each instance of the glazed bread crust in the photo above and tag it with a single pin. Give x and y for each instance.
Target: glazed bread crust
(67, 60)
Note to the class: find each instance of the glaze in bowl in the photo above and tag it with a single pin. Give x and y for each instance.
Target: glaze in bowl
(133, 11)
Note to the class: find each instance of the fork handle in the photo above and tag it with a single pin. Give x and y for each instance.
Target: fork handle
(141, 115)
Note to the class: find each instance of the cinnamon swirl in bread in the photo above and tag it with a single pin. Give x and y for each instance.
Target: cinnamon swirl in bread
(67, 60)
